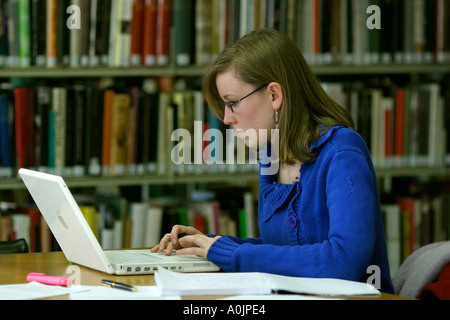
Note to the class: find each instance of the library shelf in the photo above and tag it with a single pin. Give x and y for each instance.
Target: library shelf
(98, 72)
(136, 180)
(229, 178)
(197, 71)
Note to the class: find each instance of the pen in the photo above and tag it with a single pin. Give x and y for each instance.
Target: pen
(51, 280)
(117, 285)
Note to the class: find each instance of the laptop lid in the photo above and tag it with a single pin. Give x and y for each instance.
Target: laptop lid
(78, 242)
(64, 217)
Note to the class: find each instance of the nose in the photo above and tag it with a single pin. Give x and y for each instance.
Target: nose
(228, 117)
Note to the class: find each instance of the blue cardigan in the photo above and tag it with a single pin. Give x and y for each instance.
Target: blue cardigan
(327, 225)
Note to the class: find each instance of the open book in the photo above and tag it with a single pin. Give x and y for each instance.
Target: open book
(221, 283)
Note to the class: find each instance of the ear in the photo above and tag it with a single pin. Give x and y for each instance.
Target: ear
(276, 92)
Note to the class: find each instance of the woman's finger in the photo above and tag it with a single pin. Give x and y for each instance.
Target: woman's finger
(162, 244)
(201, 252)
(198, 244)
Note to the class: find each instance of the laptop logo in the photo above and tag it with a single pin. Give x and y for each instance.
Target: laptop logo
(62, 221)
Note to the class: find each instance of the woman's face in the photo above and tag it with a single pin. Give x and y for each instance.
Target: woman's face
(256, 112)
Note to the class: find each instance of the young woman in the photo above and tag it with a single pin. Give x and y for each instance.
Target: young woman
(319, 214)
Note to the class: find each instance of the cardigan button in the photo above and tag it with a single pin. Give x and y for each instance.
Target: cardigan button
(292, 221)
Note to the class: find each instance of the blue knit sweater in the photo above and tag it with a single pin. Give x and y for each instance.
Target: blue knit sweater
(327, 225)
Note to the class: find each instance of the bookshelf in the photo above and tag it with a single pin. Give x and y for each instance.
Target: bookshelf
(144, 180)
(330, 72)
(96, 72)
(197, 71)
(333, 36)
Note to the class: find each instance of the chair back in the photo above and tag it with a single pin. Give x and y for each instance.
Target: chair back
(15, 246)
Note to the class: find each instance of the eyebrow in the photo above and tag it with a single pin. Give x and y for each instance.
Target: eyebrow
(229, 96)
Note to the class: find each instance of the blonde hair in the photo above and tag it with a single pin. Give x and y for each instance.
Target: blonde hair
(266, 56)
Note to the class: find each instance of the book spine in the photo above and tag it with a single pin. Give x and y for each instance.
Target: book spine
(125, 22)
(59, 99)
(106, 138)
(76, 39)
(117, 45)
(119, 131)
(3, 33)
(183, 13)
(64, 33)
(13, 33)
(163, 28)
(52, 32)
(149, 33)
(203, 11)
(79, 136)
(112, 33)
(20, 102)
(24, 33)
(92, 58)
(43, 99)
(5, 137)
(51, 140)
(132, 131)
(85, 45)
(38, 32)
(94, 131)
(137, 32)
(103, 32)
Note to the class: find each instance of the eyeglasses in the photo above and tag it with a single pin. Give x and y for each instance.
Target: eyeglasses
(233, 103)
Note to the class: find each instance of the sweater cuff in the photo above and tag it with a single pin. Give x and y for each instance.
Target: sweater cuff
(221, 253)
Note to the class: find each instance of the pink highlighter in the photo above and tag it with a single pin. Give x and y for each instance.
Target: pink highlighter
(51, 280)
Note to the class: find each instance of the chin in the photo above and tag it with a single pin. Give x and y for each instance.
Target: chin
(259, 144)
(254, 139)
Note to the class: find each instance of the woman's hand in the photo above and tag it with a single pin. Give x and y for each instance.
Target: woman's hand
(197, 244)
(193, 242)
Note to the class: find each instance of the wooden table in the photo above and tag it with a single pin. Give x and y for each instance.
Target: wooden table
(14, 269)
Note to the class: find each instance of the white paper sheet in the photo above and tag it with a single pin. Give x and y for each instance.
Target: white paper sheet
(277, 297)
(319, 286)
(33, 290)
(189, 284)
(104, 293)
(222, 283)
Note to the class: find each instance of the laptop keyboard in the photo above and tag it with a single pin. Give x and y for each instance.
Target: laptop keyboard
(132, 256)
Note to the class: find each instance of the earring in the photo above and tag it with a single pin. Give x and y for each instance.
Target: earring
(276, 119)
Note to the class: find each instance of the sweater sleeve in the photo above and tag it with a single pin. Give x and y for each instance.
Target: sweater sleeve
(346, 253)
(239, 240)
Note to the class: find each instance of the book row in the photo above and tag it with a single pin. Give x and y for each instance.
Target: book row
(84, 32)
(403, 125)
(412, 222)
(353, 32)
(97, 129)
(119, 223)
(79, 130)
(191, 32)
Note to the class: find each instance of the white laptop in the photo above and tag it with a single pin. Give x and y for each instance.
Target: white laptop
(80, 246)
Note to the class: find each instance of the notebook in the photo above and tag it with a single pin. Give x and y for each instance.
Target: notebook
(78, 242)
(249, 283)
